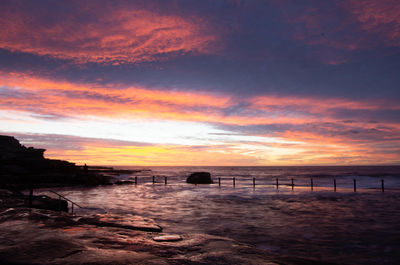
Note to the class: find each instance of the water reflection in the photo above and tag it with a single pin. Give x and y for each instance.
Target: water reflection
(362, 226)
(341, 226)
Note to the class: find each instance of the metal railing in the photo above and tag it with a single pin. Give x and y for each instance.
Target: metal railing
(65, 198)
(274, 182)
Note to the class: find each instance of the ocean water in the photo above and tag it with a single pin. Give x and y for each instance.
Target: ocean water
(319, 224)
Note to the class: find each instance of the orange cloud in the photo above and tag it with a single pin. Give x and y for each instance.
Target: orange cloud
(107, 35)
(110, 152)
(163, 155)
(304, 128)
(60, 98)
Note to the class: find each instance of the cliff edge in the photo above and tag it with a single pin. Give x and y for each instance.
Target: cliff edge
(26, 167)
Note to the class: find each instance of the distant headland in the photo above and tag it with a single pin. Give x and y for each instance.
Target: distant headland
(26, 167)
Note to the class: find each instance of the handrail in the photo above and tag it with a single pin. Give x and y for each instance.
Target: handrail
(65, 198)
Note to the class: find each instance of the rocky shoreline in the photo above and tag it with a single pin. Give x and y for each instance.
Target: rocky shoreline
(37, 229)
(27, 168)
(39, 236)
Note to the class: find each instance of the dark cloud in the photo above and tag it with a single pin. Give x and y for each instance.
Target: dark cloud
(68, 142)
(370, 116)
(262, 129)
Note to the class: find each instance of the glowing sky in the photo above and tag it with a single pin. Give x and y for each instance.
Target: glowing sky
(278, 82)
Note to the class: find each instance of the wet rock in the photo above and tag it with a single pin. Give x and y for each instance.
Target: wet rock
(45, 202)
(11, 189)
(10, 198)
(33, 236)
(126, 221)
(123, 182)
(112, 171)
(199, 178)
(167, 238)
(97, 179)
(4, 192)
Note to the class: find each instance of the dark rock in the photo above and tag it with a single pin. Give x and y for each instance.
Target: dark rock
(126, 221)
(12, 199)
(16, 158)
(26, 167)
(47, 203)
(123, 182)
(96, 179)
(111, 171)
(199, 178)
(11, 188)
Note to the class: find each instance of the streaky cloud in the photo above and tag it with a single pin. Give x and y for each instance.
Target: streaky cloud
(102, 33)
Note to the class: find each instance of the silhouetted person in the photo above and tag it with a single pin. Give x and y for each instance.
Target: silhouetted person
(85, 169)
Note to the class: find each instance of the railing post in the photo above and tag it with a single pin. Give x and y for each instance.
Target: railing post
(135, 180)
(154, 180)
(30, 197)
(292, 184)
(165, 180)
(383, 185)
(277, 183)
(219, 182)
(355, 184)
(234, 182)
(312, 184)
(334, 185)
(72, 208)
(254, 182)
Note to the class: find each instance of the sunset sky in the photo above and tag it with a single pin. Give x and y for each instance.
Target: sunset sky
(274, 82)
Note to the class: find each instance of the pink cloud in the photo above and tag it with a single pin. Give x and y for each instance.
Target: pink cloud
(59, 98)
(380, 17)
(120, 35)
(308, 124)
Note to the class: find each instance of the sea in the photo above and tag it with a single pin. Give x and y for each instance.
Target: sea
(311, 221)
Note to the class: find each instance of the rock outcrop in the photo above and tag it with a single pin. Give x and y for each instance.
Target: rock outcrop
(47, 237)
(200, 178)
(126, 221)
(26, 167)
(18, 159)
(47, 203)
(12, 199)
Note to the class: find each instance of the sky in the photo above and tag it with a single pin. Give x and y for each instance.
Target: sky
(197, 83)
